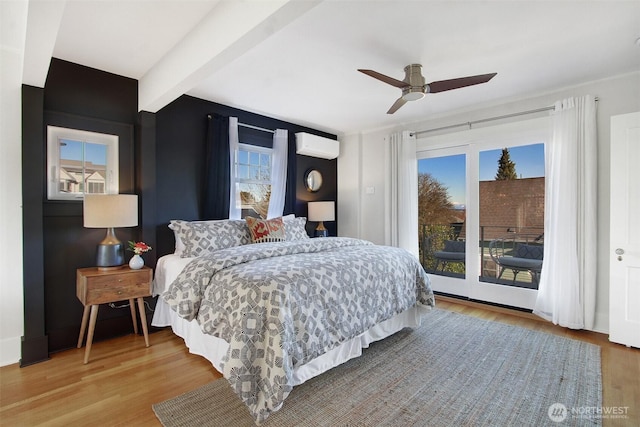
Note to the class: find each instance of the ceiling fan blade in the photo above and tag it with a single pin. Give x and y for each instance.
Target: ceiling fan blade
(386, 79)
(442, 85)
(396, 105)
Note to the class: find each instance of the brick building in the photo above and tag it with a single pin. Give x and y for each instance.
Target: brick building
(512, 206)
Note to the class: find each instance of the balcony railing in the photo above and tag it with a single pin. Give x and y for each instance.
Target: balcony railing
(434, 236)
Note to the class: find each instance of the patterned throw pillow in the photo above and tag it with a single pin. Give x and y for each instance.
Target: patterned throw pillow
(294, 228)
(266, 230)
(203, 238)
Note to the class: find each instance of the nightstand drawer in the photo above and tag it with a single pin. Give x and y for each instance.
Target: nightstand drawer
(102, 288)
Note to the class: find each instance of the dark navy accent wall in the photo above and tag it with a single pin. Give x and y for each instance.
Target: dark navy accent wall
(55, 241)
(161, 159)
(180, 153)
(35, 344)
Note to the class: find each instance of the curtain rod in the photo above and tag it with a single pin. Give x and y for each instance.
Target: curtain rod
(490, 119)
(244, 125)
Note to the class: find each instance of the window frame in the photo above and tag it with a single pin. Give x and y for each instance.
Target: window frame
(471, 142)
(238, 181)
(57, 133)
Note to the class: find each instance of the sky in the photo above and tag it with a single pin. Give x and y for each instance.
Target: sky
(450, 170)
(94, 153)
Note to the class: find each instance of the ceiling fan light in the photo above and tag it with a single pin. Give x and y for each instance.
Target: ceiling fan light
(412, 96)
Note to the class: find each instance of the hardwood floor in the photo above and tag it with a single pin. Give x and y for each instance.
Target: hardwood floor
(124, 378)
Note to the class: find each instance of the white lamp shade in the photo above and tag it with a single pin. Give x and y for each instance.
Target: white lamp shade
(110, 210)
(322, 211)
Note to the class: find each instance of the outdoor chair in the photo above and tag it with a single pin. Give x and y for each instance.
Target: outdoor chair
(517, 254)
(454, 251)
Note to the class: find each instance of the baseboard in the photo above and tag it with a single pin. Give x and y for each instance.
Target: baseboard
(34, 349)
(488, 306)
(601, 323)
(9, 351)
(516, 312)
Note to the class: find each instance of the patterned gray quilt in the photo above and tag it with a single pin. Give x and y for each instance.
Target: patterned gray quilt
(280, 305)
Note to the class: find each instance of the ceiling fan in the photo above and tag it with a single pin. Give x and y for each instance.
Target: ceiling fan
(414, 88)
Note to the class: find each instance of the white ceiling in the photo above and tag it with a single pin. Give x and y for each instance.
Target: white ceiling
(297, 60)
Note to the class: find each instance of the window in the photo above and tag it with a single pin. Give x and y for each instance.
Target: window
(441, 214)
(252, 171)
(511, 208)
(484, 189)
(80, 162)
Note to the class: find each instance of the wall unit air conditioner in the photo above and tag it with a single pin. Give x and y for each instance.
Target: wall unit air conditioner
(316, 146)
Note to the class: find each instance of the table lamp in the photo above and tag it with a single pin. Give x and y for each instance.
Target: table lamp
(110, 211)
(320, 212)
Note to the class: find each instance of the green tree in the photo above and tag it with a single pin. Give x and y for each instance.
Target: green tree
(435, 215)
(506, 167)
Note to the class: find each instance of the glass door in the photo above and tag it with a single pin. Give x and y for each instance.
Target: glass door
(511, 194)
(442, 199)
(481, 211)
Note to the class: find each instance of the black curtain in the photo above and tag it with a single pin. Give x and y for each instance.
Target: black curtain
(290, 195)
(215, 200)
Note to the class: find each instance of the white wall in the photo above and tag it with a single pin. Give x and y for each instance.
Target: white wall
(363, 161)
(13, 19)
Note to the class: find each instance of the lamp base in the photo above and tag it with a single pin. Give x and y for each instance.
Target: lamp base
(110, 256)
(110, 252)
(321, 231)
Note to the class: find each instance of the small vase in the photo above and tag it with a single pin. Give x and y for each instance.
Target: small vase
(136, 262)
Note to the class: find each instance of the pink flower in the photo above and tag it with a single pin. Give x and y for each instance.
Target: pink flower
(138, 247)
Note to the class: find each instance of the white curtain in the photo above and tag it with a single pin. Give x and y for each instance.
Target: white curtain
(567, 290)
(403, 192)
(278, 173)
(235, 212)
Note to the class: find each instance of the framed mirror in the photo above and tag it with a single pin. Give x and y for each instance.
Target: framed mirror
(313, 180)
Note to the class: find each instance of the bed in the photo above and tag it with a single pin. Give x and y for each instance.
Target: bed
(271, 308)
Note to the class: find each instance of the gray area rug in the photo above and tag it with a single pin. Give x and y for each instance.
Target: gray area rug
(454, 370)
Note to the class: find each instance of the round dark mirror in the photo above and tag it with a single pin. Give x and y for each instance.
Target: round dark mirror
(313, 180)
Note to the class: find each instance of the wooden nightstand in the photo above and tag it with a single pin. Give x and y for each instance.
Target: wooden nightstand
(95, 287)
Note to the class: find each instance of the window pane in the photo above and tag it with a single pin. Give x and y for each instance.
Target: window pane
(70, 176)
(95, 167)
(243, 172)
(254, 158)
(511, 211)
(253, 180)
(441, 214)
(254, 199)
(254, 172)
(95, 155)
(243, 157)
